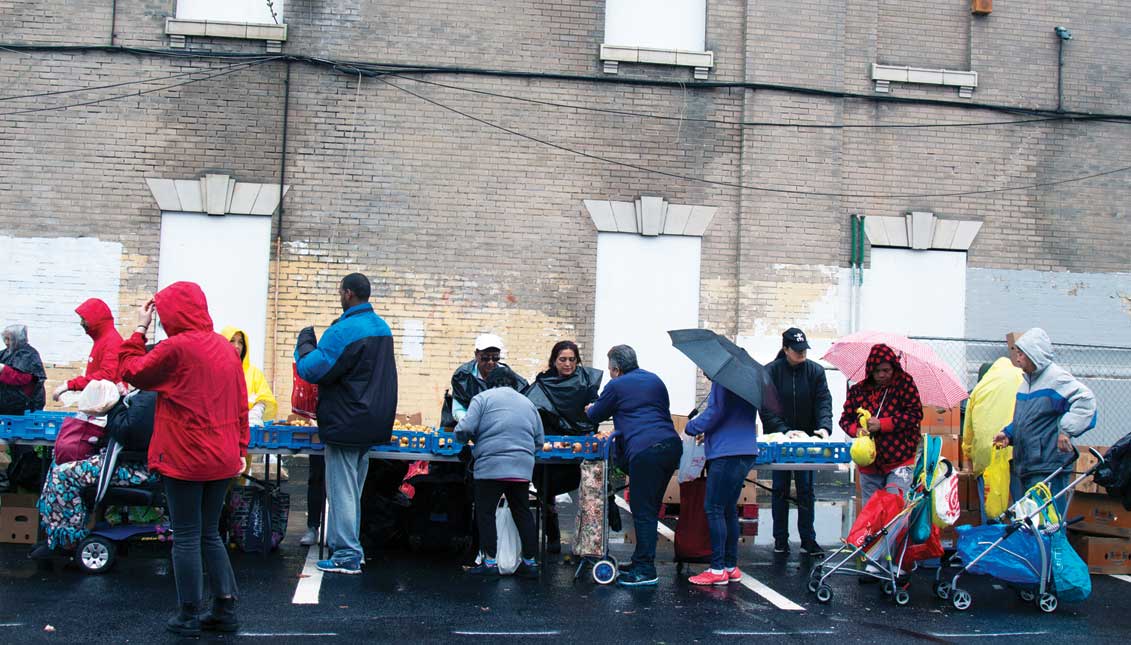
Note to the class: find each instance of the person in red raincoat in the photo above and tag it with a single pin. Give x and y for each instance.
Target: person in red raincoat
(200, 437)
(891, 396)
(102, 364)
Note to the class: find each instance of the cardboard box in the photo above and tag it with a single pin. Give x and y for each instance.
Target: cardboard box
(1103, 554)
(680, 422)
(943, 421)
(414, 419)
(19, 519)
(952, 449)
(1086, 461)
(749, 493)
(1102, 515)
(968, 495)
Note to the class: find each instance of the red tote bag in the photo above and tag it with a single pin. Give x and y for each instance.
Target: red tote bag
(304, 397)
(74, 440)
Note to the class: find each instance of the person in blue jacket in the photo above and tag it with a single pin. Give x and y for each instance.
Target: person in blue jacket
(356, 373)
(637, 402)
(729, 431)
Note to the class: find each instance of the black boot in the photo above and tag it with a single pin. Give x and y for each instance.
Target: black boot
(186, 622)
(553, 531)
(222, 616)
(614, 515)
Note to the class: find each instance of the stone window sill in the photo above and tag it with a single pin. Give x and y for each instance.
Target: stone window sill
(885, 75)
(613, 55)
(178, 29)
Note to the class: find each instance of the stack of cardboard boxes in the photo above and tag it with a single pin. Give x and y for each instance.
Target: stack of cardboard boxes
(18, 518)
(1102, 537)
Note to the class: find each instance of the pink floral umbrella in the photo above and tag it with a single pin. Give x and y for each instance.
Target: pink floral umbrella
(937, 383)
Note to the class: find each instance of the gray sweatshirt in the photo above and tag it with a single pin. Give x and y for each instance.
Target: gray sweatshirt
(507, 432)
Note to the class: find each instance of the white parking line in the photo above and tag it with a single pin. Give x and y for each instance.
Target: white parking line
(545, 633)
(985, 635)
(306, 593)
(773, 597)
(811, 632)
(11, 624)
(274, 634)
(1121, 577)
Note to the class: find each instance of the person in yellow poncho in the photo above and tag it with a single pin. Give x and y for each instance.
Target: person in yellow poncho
(989, 409)
(261, 402)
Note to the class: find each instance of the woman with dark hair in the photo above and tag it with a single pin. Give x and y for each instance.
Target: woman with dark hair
(560, 394)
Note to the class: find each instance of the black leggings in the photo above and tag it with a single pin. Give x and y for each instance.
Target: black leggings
(194, 511)
(487, 493)
(315, 491)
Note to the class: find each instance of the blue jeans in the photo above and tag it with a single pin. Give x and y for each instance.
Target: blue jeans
(803, 479)
(649, 473)
(346, 469)
(725, 477)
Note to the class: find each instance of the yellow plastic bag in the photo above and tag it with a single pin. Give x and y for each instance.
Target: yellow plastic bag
(863, 450)
(996, 480)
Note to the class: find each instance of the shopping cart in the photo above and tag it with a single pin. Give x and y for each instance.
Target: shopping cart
(591, 544)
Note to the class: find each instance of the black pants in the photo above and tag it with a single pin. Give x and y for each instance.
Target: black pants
(487, 493)
(194, 511)
(315, 491)
(648, 474)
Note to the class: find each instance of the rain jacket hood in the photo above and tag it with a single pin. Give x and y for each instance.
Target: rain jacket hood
(96, 314)
(102, 364)
(881, 353)
(258, 389)
(183, 307)
(1037, 345)
(897, 406)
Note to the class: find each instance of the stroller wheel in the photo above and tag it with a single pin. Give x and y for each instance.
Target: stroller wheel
(1027, 596)
(814, 582)
(888, 588)
(824, 594)
(960, 598)
(902, 597)
(95, 554)
(604, 572)
(1047, 603)
(942, 590)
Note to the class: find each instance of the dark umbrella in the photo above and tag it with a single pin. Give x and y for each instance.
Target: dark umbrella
(728, 365)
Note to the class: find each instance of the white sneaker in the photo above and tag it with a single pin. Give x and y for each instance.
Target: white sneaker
(310, 538)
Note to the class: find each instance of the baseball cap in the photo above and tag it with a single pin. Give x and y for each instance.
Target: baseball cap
(794, 339)
(485, 341)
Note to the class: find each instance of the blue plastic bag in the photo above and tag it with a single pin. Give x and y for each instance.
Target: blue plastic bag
(1016, 560)
(1070, 575)
(919, 528)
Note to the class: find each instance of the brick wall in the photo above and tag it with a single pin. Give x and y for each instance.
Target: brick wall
(466, 229)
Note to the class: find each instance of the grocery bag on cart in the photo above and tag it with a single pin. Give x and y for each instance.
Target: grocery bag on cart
(589, 538)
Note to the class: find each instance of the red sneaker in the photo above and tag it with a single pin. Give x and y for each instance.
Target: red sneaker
(735, 574)
(708, 578)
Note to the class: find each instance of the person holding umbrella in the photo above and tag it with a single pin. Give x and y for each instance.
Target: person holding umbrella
(890, 395)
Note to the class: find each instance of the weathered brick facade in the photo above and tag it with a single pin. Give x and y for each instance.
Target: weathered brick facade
(469, 229)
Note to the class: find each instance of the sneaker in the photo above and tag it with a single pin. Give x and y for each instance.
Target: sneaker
(310, 538)
(352, 567)
(812, 548)
(734, 574)
(781, 546)
(707, 578)
(528, 571)
(484, 569)
(636, 579)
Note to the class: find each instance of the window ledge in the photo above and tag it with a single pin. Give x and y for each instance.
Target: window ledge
(885, 75)
(179, 28)
(613, 55)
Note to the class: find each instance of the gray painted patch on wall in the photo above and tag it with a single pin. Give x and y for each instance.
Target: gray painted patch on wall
(1079, 308)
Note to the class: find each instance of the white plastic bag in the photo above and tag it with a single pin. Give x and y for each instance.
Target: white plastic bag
(693, 460)
(508, 551)
(98, 397)
(944, 496)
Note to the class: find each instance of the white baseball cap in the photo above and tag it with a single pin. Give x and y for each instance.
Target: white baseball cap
(486, 341)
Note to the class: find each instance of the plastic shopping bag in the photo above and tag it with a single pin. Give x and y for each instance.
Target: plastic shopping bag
(996, 481)
(944, 496)
(508, 551)
(692, 461)
(304, 397)
(98, 397)
(1070, 575)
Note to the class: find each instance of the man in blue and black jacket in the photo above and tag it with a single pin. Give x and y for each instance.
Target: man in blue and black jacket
(356, 374)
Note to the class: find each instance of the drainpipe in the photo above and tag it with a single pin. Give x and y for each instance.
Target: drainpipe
(852, 275)
(113, 19)
(1063, 35)
(279, 231)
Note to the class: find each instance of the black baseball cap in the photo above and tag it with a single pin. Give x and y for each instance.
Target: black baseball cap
(794, 339)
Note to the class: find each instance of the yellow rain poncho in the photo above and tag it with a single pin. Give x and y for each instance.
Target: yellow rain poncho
(989, 409)
(258, 389)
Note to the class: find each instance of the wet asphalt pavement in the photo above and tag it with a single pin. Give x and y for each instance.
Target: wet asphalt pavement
(408, 598)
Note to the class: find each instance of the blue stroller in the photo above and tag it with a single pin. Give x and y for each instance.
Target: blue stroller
(1023, 549)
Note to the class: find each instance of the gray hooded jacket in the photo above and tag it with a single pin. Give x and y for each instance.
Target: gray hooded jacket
(1050, 401)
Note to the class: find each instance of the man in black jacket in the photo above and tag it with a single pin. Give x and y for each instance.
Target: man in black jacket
(356, 373)
(806, 406)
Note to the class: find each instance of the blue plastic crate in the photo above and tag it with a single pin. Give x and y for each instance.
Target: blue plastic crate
(568, 448)
(812, 452)
(35, 426)
(444, 443)
(767, 453)
(413, 441)
(276, 437)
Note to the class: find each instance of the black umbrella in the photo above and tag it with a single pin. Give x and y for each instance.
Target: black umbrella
(728, 365)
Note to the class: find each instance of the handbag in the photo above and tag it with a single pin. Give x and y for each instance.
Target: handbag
(74, 440)
(304, 397)
(257, 516)
(447, 417)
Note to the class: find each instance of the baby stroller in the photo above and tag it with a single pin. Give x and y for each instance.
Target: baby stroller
(1022, 549)
(591, 543)
(97, 552)
(882, 538)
